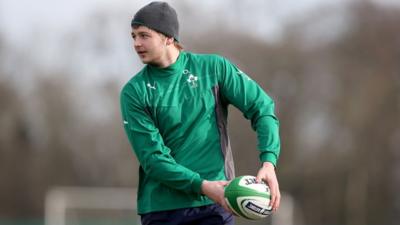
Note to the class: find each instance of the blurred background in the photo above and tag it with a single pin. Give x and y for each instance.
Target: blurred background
(333, 68)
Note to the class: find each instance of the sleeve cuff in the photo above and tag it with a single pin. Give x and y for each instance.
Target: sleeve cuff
(196, 184)
(268, 157)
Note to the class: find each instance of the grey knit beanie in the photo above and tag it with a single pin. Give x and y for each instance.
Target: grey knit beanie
(158, 16)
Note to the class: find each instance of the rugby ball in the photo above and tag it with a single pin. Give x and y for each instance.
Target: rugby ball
(247, 198)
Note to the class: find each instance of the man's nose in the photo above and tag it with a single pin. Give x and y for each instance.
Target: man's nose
(136, 43)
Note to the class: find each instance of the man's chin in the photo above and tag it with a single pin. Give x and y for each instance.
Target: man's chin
(144, 61)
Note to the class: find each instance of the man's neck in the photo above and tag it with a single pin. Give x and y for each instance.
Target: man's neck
(170, 58)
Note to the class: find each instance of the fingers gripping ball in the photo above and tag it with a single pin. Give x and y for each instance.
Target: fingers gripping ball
(247, 198)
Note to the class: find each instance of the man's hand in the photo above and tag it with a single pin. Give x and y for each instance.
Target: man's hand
(268, 175)
(215, 191)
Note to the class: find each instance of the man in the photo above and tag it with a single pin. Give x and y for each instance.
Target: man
(175, 113)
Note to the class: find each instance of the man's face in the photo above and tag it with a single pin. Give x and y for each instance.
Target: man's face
(149, 45)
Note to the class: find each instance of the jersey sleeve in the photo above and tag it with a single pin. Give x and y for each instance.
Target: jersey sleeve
(244, 93)
(148, 145)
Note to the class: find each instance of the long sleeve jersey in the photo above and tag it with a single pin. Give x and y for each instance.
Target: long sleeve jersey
(176, 121)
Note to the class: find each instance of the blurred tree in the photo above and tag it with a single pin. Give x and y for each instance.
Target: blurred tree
(331, 98)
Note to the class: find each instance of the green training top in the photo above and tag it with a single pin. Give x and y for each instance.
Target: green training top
(176, 121)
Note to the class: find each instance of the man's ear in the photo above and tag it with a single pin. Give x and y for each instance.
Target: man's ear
(170, 40)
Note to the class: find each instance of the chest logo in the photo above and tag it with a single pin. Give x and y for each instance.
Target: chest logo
(192, 79)
(151, 86)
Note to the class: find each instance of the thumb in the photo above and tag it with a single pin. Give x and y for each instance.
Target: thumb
(259, 177)
(224, 183)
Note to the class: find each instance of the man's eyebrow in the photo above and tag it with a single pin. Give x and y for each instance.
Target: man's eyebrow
(140, 32)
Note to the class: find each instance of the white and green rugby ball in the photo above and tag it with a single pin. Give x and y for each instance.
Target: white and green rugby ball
(247, 198)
